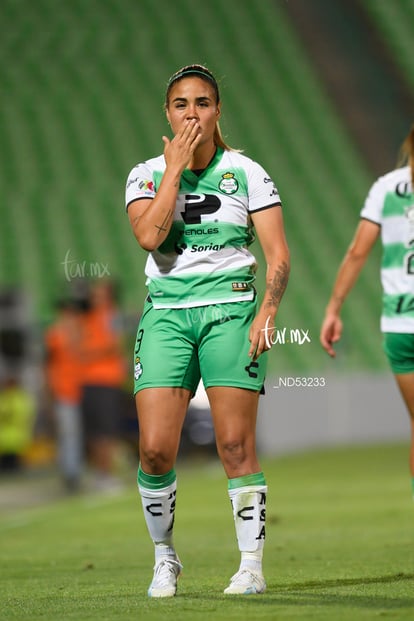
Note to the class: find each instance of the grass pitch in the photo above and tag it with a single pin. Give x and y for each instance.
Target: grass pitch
(339, 546)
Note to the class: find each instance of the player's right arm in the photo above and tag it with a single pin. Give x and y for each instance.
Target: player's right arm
(365, 236)
(151, 219)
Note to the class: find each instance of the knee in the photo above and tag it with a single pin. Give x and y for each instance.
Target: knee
(233, 453)
(155, 460)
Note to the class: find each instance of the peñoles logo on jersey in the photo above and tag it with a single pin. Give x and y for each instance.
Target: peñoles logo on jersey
(228, 183)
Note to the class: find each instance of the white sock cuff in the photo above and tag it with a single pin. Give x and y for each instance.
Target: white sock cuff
(260, 489)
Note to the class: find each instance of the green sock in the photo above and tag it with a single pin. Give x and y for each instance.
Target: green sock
(247, 480)
(155, 481)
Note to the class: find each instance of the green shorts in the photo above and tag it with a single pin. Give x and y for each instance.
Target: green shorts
(178, 346)
(399, 349)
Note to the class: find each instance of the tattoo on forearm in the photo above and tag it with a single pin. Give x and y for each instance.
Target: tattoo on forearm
(163, 227)
(277, 285)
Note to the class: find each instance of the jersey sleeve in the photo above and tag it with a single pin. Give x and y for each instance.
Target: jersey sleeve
(262, 190)
(140, 184)
(372, 208)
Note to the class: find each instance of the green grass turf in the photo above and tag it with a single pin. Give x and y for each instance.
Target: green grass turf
(340, 546)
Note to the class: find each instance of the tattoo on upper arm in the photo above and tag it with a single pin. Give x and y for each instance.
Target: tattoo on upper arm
(277, 285)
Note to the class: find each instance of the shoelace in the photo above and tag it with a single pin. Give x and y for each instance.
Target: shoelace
(164, 570)
(244, 576)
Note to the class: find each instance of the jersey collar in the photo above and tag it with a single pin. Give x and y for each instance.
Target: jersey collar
(190, 177)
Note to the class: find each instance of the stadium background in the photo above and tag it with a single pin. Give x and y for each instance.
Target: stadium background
(321, 93)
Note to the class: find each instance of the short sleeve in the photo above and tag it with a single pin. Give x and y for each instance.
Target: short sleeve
(140, 184)
(262, 190)
(374, 202)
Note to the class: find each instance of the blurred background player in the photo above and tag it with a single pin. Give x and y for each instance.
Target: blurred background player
(103, 377)
(63, 375)
(388, 211)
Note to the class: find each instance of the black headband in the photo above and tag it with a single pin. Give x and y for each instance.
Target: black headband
(192, 71)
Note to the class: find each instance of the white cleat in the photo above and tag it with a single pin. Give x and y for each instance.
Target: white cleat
(246, 582)
(164, 582)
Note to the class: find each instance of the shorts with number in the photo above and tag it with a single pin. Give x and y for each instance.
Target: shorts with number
(176, 347)
(399, 349)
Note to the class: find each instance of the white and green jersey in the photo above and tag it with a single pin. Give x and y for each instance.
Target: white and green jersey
(205, 257)
(390, 203)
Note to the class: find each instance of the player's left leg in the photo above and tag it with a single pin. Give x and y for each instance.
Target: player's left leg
(399, 349)
(234, 412)
(405, 383)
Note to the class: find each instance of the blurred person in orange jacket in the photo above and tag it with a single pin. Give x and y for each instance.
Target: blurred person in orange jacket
(104, 373)
(62, 340)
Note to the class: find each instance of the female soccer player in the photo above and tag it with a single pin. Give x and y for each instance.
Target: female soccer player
(389, 210)
(193, 209)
